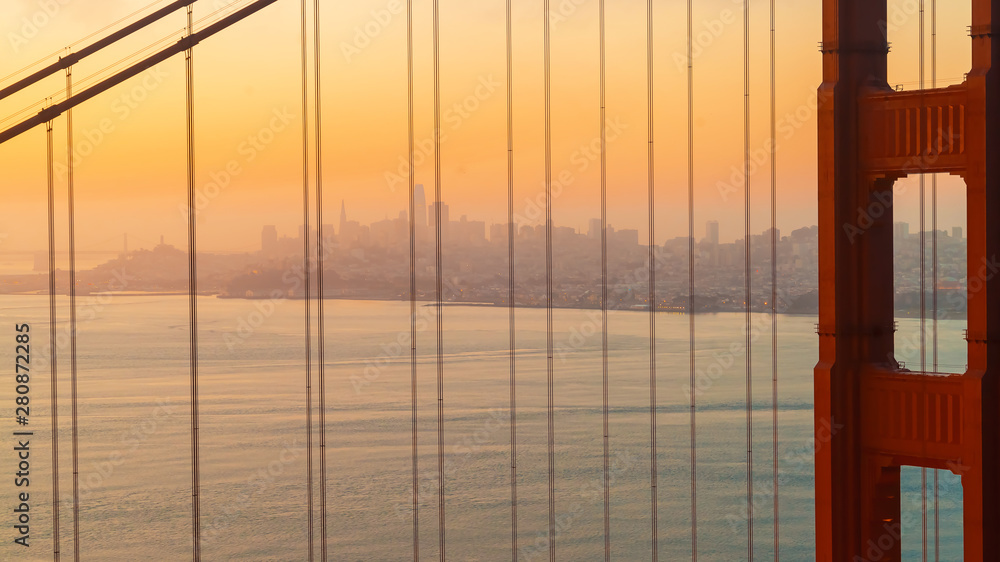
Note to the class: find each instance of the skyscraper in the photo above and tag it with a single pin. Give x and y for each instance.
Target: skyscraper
(420, 203)
(445, 219)
(594, 229)
(712, 232)
(343, 217)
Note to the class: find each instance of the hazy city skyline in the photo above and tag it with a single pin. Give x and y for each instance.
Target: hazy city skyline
(135, 165)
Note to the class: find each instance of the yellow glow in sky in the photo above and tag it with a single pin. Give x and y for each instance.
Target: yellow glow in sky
(129, 142)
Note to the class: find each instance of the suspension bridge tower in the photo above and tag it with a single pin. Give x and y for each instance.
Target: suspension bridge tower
(872, 416)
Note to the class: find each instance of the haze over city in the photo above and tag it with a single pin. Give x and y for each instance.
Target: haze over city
(130, 160)
(371, 261)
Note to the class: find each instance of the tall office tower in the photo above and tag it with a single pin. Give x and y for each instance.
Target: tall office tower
(594, 229)
(432, 214)
(420, 203)
(712, 232)
(956, 232)
(901, 230)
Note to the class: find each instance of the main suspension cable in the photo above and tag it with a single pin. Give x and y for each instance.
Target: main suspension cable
(307, 274)
(193, 299)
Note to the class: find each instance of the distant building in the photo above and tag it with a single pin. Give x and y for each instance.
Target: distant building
(594, 229)
(268, 239)
(467, 232)
(712, 233)
(499, 232)
(351, 232)
(432, 210)
(627, 238)
(901, 230)
(420, 203)
(807, 234)
(563, 234)
(768, 235)
(390, 233)
(302, 233)
(956, 233)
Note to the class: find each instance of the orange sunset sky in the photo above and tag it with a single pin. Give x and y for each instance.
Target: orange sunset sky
(130, 178)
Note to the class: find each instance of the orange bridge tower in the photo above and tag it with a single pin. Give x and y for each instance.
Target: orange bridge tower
(872, 417)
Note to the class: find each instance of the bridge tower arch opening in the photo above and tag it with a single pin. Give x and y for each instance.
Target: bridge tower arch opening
(921, 344)
(945, 31)
(872, 418)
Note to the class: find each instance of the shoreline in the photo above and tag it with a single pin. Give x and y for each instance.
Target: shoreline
(641, 309)
(428, 303)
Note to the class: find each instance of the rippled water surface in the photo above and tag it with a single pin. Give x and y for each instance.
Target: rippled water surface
(135, 451)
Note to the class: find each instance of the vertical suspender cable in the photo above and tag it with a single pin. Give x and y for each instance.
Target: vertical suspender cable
(690, 305)
(54, 380)
(550, 364)
(306, 264)
(320, 289)
(923, 284)
(413, 285)
(439, 279)
(747, 273)
(510, 280)
(605, 383)
(935, 273)
(923, 360)
(774, 287)
(651, 156)
(193, 300)
(71, 202)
